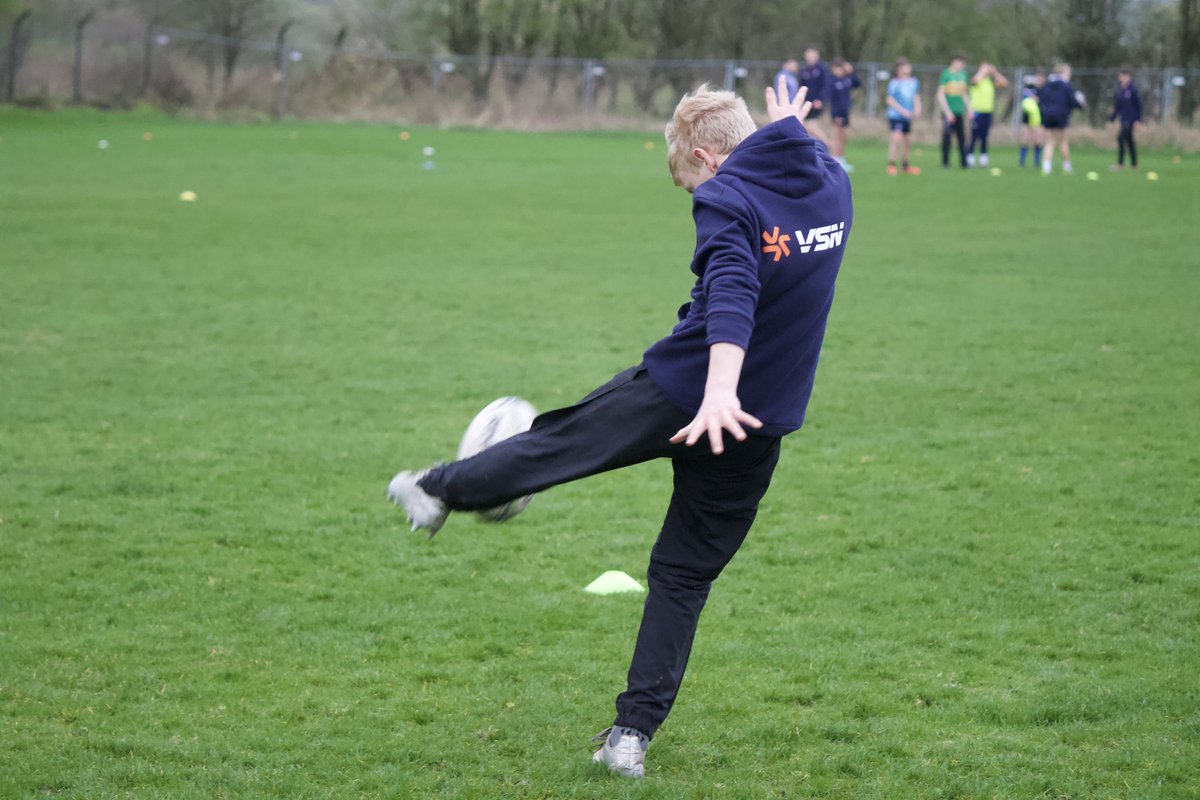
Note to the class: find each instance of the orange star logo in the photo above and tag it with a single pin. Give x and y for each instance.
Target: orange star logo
(776, 243)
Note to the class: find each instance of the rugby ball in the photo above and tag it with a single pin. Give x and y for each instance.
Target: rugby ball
(499, 420)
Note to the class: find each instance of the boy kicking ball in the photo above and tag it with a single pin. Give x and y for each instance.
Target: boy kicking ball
(773, 211)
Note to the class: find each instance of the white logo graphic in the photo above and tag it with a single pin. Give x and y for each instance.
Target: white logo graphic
(824, 238)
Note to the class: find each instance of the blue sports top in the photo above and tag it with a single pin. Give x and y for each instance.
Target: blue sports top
(793, 83)
(903, 91)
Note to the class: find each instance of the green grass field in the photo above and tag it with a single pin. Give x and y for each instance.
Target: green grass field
(977, 574)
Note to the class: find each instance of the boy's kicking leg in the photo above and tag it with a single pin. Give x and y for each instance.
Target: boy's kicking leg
(712, 508)
(626, 421)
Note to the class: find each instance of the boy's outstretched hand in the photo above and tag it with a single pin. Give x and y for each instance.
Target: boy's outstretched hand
(778, 105)
(720, 410)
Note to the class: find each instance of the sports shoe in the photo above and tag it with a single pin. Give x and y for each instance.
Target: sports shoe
(910, 170)
(970, 160)
(422, 509)
(1045, 167)
(891, 169)
(1067, 169)
(623, 751)
(983, 160)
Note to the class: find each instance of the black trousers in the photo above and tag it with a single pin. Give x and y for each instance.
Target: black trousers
(1125, 139)
(715, 499)
(955, 128)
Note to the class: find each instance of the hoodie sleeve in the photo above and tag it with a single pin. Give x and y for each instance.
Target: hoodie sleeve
(725, 251)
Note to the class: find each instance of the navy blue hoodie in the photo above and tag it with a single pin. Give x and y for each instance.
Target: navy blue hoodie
(1057, 99)
(771, 227)
(1127, 104)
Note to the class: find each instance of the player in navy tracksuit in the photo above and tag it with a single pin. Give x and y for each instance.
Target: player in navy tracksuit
(1058, 98)
(814, 76)
(773, 213)
(843, 83)
(1127, 107)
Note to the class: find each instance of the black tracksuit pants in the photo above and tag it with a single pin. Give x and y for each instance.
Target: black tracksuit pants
(955, 129)
(627, 421)
(1125, 140)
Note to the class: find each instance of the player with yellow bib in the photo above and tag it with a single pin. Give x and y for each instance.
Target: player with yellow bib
(1031, 118)
(983, 102)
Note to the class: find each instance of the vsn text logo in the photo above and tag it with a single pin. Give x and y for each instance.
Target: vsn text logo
(815, 240)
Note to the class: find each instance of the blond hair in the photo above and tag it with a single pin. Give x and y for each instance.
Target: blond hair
(714, 120)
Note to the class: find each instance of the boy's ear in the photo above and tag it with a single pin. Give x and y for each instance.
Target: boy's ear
(704, 157)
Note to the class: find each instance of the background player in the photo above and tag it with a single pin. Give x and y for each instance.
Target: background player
(956, 108)
(1032, 133)
(1127, 109)
(814, 76)
(982, 95)
(903, 106)
(1058, 99)
(843, 83)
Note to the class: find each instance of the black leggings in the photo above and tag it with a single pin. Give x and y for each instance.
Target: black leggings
(1125, 139)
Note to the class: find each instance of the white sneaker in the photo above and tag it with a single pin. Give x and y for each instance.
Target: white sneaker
(423, 509)
(1045, 167)
(623, 751)
(983, 160)
(1067, 168)
(970, 159)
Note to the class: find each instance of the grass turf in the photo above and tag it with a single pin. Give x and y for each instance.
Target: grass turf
(976, 575)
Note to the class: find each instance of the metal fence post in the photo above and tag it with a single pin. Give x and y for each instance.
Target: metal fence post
(77, 73)
(730, 75)
(281, 69)
(1018, 97)
(147, 56)
(589, 84)
(1165, 112)
(14, 53)
(872, 89)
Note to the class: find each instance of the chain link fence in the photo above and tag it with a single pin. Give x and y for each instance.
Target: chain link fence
(113, 59)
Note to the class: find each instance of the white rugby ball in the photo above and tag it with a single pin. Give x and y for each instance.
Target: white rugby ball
(499, 420)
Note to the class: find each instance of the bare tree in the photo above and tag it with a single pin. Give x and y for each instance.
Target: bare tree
(1189, 55)
(231, 21)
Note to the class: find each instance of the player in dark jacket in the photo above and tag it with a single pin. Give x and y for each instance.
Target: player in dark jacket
(773, 213)
(1057, 99)
(814, 76)
(1127, 107)
(844, 82)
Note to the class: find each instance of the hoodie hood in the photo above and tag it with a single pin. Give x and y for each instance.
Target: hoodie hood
(781, 159)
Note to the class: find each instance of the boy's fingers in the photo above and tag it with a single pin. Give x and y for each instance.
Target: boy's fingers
(749, 419)
(716, 440)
